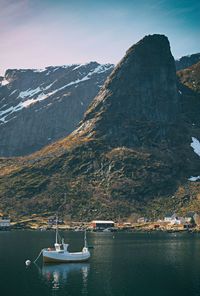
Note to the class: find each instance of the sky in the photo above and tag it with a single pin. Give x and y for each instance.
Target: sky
(40, 33)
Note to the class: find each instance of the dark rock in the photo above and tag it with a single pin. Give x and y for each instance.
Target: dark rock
(138, 104)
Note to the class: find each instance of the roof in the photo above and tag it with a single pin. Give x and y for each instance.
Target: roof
(102, 221)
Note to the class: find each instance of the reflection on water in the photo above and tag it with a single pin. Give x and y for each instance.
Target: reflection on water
(140, 264)
(57, 274)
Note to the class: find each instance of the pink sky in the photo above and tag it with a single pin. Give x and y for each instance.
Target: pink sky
(35, 34)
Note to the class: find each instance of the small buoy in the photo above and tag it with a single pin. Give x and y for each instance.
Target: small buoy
(28, 262)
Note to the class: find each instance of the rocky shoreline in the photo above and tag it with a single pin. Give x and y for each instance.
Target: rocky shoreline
(41, 224)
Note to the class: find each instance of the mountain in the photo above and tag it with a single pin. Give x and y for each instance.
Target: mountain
(189, 91)
(38, 107)
(140, 90)
(54, 98)
(187, 61)
(190, 77)
(135, 151)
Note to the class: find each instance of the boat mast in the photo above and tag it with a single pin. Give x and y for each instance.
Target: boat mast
(85, 240)
(65, 196)
(56, 228)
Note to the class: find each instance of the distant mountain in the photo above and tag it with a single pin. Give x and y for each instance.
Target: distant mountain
(38, 107)
(135, 151)
(187, 61)
(190, 77)
(189, 91)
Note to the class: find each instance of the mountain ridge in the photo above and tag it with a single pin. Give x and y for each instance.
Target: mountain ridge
(29, 98)
(109, 176)
(54, 98)
(187, 61)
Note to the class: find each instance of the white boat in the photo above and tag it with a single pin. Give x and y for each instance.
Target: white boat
(60, 253)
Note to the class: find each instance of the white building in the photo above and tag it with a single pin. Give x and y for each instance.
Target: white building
(169, 217)
(173, 219)
(4, 222)
(102, 224)
(178, 221)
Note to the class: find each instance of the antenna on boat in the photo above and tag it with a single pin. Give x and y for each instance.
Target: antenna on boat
(85, 240)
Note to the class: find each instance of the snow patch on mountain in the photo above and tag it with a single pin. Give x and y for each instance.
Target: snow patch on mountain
(193, 179)
(80, 65)
(39, 70)
(195, 145)
(9, 111)
(21, 105)
(4, 82)
(13, 92)
(29, 92)
(102, 68)
(99, 69)
(28, 97)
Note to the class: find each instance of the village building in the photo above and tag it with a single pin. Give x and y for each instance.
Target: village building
(169, 217)
(53, 221)
(4, 222)
(102, 224)
(142, 220)
(173, 219)
(190, 217)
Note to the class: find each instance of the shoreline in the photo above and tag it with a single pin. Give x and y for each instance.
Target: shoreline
(45, 224)
(135, 229)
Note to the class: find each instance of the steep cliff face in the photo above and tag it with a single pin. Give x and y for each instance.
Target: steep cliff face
(38, 107)
(140, 97)
(131, 153)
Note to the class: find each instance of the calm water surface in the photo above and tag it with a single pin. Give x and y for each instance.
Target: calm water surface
(128, 264)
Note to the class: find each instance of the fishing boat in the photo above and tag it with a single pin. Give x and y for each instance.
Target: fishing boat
(60, 253)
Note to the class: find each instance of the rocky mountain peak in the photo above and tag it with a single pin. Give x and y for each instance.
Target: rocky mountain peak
(187, 61)
(141, 93)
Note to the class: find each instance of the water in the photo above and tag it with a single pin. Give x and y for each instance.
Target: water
(128, 264)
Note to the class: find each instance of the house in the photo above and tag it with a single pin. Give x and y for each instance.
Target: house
(52, 221)
(189, 217)
(178, 221)
(169, 217)
(102, 224)
(174, 219)
(4, 222)
(142, 220)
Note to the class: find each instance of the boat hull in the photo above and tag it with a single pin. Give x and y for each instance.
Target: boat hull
(54, 260)
(65, 257)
